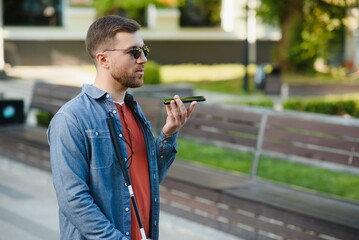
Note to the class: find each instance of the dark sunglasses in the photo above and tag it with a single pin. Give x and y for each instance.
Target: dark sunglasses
(134, 51)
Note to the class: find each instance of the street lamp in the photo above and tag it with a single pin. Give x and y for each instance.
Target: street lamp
(249, 47)
(246, 54)
(2, 61)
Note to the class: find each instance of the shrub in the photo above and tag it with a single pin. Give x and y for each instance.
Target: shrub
(152, 73)
(43, 118)
(267, 103)
(330, 107)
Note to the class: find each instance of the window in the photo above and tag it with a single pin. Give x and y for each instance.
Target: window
(32, 12)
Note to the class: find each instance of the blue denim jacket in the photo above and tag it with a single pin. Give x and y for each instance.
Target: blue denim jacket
(93, 199)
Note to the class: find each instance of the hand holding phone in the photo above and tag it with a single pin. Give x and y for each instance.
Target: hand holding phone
(186, 99)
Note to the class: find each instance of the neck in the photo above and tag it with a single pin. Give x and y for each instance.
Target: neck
(114, 88)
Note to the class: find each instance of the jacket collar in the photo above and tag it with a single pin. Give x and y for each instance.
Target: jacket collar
(97, 93)
(92, 91)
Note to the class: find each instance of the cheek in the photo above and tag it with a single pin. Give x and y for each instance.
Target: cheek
(119, 66)
(123, 63)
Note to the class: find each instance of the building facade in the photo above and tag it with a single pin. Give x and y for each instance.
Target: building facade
(52, 32)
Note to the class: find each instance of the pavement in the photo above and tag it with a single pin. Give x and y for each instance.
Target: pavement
(28, 207)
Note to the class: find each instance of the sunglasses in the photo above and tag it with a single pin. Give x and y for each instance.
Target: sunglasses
(134, 51)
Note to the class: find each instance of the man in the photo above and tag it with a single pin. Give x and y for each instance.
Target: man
(94, 201)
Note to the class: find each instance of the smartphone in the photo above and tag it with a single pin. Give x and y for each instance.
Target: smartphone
(186, 99)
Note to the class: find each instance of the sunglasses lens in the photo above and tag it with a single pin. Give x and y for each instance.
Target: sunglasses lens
(136, 53)
(146, 50)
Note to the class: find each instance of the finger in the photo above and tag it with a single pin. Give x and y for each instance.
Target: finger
(169, 111)
(176, 106)
(181, 106)
(191, 108)
(182, 113)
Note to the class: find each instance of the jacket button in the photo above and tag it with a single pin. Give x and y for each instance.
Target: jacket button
(127, 209)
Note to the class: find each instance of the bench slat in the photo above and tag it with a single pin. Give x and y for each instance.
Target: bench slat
(312, 125)
(283, 135)
(333, 157)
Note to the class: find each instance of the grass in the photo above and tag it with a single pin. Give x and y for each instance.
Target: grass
(299, 175)
(228, 78)
(225, 78)
(200, 72)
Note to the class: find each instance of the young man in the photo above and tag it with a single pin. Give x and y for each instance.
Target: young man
(94, 201)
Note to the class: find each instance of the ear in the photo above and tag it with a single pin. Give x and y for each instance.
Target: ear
(102, 60)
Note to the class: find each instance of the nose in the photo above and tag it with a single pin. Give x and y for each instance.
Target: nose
(142, 59)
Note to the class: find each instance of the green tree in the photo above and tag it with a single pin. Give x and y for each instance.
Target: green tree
(310, 29)
(131, 8)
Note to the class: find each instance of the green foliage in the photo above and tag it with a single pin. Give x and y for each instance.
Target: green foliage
(271, 11)
(166, 3)
(267, 103)
(301, 53)
(43, 118)
(152, 73)
(133, 8)
(200, 12)
(315, 30)
(330, 107)
(323, 31)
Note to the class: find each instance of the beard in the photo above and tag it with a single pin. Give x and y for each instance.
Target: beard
(128, 80)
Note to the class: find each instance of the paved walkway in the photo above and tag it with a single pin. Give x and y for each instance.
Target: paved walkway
(28, 208)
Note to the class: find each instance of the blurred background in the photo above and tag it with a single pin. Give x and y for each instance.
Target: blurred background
(278, 136)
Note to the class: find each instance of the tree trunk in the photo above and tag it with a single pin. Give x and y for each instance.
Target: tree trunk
(290, 17)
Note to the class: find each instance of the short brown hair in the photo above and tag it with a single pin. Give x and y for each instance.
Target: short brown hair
(105, 29)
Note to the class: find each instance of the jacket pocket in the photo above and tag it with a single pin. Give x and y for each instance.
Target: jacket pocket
(102, 154)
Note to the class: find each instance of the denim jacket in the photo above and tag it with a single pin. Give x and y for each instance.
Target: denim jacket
(93, 198)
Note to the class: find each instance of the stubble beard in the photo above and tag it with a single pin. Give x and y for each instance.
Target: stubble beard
(128, 80)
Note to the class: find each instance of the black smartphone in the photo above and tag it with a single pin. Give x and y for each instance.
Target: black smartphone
(186, 99)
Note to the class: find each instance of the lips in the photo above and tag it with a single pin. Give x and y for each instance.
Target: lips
(140, 70)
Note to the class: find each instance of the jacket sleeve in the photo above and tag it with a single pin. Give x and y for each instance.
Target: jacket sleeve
(70, 171)
(166, 153)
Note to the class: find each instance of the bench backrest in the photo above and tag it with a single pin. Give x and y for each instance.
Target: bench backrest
(223, 126)
(292, 136)
(50, 97)
(312, 139)
(309, 139)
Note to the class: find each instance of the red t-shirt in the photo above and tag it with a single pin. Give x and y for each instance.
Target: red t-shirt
(139, 172)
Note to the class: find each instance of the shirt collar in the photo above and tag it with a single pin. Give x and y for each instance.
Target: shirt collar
(97, 93)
